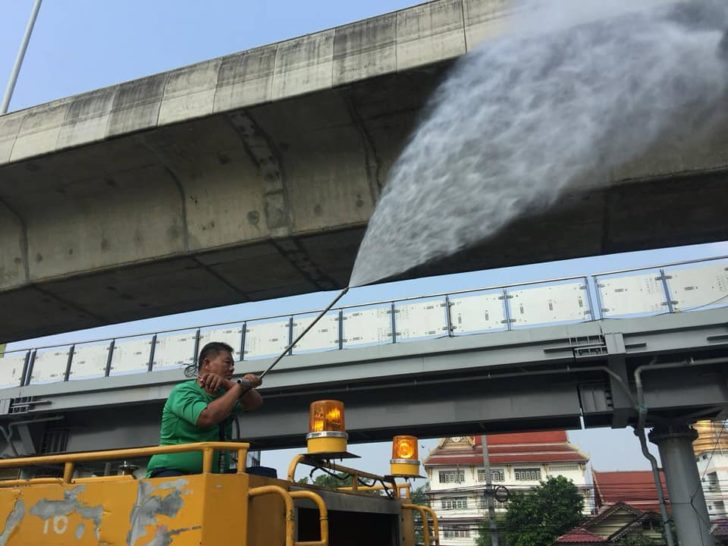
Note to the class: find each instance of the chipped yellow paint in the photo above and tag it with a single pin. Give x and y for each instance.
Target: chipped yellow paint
(179, 511)
(195, 510)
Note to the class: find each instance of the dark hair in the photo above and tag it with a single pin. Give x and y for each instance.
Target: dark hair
(211, 349)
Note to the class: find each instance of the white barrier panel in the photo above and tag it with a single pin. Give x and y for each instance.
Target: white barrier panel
(174, 351)
(265, 339)
(131, 356)
(420, 319)
(699, 287)
(324, 336)
(631, 295)
(89, 361)
(11, 370)
(477, 313)
(232, 335)
(540, 305)
(368, 326)
(50, 365)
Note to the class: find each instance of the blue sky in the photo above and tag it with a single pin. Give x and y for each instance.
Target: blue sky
(86, 44)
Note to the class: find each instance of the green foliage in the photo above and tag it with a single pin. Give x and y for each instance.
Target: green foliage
(419, 496)
(483, 538)
(539, 516)
(329, 481)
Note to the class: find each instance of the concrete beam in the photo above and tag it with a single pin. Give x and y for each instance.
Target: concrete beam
(253, 176)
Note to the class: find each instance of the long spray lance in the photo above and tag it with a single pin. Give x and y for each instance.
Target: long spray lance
(287, 350)
(248, 386)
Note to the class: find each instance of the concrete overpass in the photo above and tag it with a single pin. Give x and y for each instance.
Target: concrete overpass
(445, 387)
(501, 359)
(252, 176)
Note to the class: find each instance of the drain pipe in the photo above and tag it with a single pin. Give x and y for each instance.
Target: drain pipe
(640, 428)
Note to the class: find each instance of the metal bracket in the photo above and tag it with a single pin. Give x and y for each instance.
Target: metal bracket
(582, 347)
(26, 404)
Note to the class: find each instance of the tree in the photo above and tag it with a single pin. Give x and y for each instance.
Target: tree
(483, 538)
(419, 496)
(539, 516)
(332, 481)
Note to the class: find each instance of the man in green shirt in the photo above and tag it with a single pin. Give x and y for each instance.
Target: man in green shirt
(202, 409)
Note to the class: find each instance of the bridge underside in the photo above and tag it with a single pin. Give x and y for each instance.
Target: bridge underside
(552, 377)
(272, 201)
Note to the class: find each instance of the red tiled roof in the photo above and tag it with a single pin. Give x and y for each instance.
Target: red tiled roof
(547, 437)
(580, 535)
(636, 488)
(525, 447)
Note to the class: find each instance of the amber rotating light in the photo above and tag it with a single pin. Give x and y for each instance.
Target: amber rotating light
(405, 462)
(327, 430)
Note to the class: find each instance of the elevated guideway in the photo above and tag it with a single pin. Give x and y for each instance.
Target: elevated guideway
(548, 354)
(253, 176)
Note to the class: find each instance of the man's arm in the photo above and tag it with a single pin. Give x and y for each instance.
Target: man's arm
(252, 399)
(220, 409)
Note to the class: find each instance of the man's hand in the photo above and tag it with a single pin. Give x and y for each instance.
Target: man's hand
(252, 380)
(211, 382)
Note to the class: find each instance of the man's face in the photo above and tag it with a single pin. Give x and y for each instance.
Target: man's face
(221, 364)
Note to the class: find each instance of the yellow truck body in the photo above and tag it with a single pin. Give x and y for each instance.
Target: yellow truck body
(201, 509)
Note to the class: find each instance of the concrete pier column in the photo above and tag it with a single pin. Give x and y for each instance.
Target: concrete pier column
(687, 501)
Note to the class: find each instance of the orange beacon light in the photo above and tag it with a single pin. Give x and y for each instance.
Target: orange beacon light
(326, 428)
(404, 462)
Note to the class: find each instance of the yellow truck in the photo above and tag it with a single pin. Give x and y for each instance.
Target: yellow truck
(211, 509)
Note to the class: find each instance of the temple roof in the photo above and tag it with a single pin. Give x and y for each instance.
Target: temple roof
(524, 447)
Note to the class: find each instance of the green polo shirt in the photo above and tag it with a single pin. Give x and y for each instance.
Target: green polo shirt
(181, 411)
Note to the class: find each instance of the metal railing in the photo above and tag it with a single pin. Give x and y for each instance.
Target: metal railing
(647, 291)
(69, 460)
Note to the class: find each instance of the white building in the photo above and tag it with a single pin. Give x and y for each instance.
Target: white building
(518, 461)
(711, 454)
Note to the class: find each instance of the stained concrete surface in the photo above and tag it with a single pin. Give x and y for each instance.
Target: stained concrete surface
(253, 176)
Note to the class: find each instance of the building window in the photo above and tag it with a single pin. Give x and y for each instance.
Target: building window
(557, 468)
(527, 474)
(496, 475)
(455, 503)
(456, 532)
(452, 476)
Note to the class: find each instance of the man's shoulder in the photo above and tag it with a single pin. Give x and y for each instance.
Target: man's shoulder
(186, 387)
